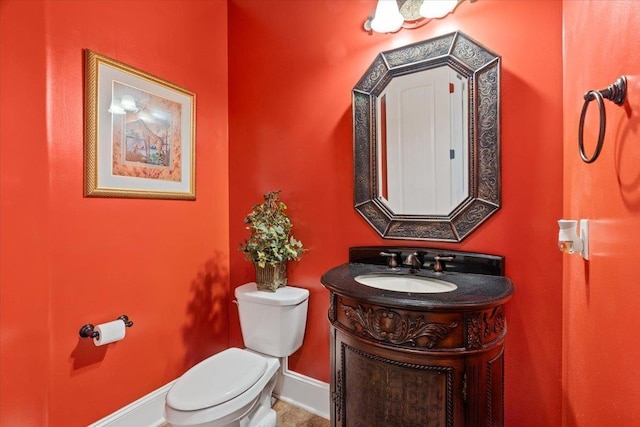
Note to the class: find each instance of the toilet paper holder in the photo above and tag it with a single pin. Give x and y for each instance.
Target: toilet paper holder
(87, 331)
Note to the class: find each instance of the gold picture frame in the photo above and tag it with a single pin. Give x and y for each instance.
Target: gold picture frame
(139, 133)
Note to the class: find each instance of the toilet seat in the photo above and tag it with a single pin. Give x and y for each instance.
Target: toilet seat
(232, 409)
(216, 380)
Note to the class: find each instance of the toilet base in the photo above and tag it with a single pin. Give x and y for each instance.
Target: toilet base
(263, 419)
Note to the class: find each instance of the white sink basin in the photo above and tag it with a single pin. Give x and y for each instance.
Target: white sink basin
(413, 284)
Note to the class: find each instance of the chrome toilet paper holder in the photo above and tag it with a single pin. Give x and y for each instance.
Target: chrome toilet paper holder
(88, 331)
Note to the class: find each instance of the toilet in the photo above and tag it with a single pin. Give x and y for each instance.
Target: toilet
(233, 388)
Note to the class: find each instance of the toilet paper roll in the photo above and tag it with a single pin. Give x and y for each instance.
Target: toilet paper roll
(109, 332)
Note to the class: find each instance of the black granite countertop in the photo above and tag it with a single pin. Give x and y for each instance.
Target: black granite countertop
(474, 291)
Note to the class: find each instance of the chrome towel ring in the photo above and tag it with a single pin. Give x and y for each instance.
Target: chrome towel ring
(616, 92)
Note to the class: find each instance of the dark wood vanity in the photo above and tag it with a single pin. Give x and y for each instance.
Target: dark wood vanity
(418, 359)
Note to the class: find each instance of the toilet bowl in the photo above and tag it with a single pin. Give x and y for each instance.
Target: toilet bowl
(233, 388)
(224, 388)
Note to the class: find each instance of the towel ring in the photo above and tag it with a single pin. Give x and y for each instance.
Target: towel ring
(617, 93)
(590, 96)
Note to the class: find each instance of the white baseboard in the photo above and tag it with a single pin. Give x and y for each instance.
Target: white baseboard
(146, 411)
(299, 390)
(302, 391)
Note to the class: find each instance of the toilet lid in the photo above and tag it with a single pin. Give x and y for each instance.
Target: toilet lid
(288, 295)
(216, 380)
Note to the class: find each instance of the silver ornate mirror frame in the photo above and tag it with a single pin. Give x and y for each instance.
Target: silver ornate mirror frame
(481, 68)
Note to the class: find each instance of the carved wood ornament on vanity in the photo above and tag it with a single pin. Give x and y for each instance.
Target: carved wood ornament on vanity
(390, 326)
(407, 329)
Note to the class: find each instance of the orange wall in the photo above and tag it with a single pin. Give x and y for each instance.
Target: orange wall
(291, 70)
(24, 290)
(601, 352)
(68, 260)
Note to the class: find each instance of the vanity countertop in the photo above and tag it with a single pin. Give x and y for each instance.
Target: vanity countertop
(474, 291)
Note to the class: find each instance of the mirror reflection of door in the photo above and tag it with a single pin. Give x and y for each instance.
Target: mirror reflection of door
(423, 146)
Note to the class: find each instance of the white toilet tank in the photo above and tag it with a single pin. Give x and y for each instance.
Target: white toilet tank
(272, 323)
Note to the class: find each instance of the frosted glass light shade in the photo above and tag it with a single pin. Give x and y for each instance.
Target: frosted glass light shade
(437, 8)
(387, 18)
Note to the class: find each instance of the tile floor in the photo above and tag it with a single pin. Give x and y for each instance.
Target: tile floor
(292, 416)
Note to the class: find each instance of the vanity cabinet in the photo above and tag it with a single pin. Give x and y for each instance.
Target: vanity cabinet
(408, 367)
(417, 357)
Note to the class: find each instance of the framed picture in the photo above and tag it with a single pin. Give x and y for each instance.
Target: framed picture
(139, 133)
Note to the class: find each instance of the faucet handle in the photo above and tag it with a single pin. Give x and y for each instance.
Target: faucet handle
(438, 265)
(393, 259)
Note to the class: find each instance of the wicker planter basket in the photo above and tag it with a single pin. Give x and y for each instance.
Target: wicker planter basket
(271, 277)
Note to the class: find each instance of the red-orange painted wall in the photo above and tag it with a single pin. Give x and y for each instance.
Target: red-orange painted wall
(601, 352)
(24, 296)
(292, 66)
(67, 260)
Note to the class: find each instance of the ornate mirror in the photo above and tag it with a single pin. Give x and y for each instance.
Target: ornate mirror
(426, 139)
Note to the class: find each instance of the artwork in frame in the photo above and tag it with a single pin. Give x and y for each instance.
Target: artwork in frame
(139, 133)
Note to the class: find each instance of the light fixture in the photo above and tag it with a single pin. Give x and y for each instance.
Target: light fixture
(568, 240)
(387, 18)
(391, 15)
(437, 8)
